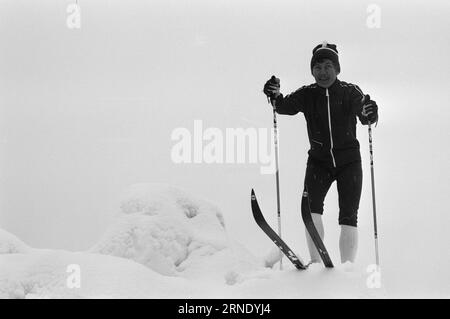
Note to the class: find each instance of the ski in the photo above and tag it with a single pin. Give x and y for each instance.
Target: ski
(262, 223)
(309, 224)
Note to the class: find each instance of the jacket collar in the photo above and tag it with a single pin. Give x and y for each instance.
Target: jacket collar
(332, 88)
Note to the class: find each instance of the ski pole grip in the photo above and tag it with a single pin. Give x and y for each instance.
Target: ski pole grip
(274, 79)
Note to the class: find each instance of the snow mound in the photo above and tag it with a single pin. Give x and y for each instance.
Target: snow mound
(174, 234)
(10, 244)
(157, 199)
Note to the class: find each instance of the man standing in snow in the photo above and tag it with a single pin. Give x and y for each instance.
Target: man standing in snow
(330, 107)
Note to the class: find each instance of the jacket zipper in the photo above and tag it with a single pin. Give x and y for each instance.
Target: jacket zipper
(329, 127)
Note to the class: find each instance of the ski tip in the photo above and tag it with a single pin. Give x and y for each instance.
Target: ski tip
(253, 192)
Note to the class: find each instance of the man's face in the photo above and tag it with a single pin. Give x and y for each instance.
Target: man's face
(324, 73)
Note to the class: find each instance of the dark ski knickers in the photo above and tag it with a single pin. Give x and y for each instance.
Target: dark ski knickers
(348, 177)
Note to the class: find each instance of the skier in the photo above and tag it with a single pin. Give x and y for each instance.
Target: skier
(330, 107)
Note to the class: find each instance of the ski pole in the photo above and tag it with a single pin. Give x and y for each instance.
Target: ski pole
(277, 178)
(377, 257)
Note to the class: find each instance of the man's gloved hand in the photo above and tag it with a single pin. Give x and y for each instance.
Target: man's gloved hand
(272, 88)
(369, 110)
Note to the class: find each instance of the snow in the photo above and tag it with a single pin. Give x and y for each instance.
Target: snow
(172, 233)
(167, 243)
(44, 275)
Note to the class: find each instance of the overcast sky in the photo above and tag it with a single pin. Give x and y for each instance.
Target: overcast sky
(86, 112)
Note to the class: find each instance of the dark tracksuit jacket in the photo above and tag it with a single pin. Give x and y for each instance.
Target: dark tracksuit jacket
(331, 120)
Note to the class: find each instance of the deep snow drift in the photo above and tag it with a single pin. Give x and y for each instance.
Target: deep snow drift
(166, 243)
(173, 234)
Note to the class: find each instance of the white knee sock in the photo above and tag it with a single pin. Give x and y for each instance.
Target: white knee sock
(348, 243)
(315, 256)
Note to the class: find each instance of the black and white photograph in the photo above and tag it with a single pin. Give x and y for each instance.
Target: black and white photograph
(242, 151)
